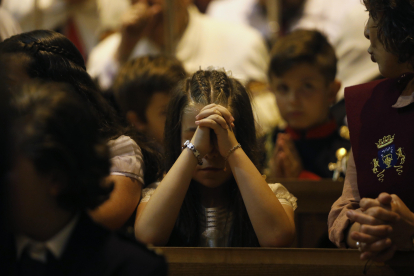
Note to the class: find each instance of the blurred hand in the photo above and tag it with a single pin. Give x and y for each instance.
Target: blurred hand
(140, 19)
(285, 162)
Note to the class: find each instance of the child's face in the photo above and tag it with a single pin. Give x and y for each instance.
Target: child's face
(29, 195)
(388, 64)
(156, 114)
(211, 174)
(304, 96)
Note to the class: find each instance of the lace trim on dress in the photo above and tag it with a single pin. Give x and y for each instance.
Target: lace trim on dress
(283, 195)
(149, 191)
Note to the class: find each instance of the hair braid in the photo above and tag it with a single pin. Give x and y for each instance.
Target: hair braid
(202, 94)
(221, 87)
(35, 47)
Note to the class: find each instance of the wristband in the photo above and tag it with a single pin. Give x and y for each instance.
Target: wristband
(196, 153)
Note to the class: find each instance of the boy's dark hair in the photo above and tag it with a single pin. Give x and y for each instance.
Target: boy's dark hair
(395, 23)
(54, 128)
(139, 79)
(303, 46)
(206, 87)
(53, 57)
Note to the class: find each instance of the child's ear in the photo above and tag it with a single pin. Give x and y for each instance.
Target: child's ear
(333, 90)
(133, 119)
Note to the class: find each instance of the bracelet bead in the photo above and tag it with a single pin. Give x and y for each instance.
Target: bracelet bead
(196, 153)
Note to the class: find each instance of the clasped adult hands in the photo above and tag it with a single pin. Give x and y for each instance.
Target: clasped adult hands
(387, 225)
(218, 119)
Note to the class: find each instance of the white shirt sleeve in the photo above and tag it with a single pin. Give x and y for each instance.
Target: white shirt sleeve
(126, 158)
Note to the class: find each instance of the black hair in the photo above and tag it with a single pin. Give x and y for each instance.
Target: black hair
(395, 22)
(139, 79)
(206, 87)
(54, 128)
(303, 46)
(53, 57)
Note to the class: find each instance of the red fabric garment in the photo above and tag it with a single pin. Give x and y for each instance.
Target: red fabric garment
(308, 175)
(382, 139)
(315, 133)
(72, 33)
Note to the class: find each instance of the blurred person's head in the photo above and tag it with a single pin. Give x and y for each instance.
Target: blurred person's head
(60, 160)
(302, 75)
(50, 56)
(143, 89)
(390, 30)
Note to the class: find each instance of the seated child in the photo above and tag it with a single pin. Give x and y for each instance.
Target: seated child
(60, 163)
(376, 210)
(142, 91)
(213, 194)
(302, 76)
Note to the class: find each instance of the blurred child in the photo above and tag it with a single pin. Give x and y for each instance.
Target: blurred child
(302, 76)
(59, 169)
(213, 194)
(142, 91)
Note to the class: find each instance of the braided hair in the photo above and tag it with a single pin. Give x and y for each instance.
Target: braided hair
(206, 87)
(53, 57)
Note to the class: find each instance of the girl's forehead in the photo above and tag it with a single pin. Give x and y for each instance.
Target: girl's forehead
(192, 109)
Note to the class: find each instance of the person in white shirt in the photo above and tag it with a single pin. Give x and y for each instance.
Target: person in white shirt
(8, 26)
(198, 41)
(88, 18)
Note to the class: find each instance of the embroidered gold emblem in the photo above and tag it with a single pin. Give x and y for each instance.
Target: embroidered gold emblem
(388, 157)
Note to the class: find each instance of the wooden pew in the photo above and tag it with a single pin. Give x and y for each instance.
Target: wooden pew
(285, 262)
(315, 199)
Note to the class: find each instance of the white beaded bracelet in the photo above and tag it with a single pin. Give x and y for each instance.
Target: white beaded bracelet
(196, 153)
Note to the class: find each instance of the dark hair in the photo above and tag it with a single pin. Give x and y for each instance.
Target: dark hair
(53, 57)
(206, 87)
(303, 46)
(139, 79)
(54, 128)
(395, 23)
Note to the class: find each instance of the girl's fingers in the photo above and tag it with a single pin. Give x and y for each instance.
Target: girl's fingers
(210, 123)
(216, 109)
(363, 218)
(216, 118)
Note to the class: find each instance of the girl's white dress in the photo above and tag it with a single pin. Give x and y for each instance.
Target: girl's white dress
(215, 223)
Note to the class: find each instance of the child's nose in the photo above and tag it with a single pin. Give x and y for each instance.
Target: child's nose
(214, 152)
(294, 96)
(366, 29)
